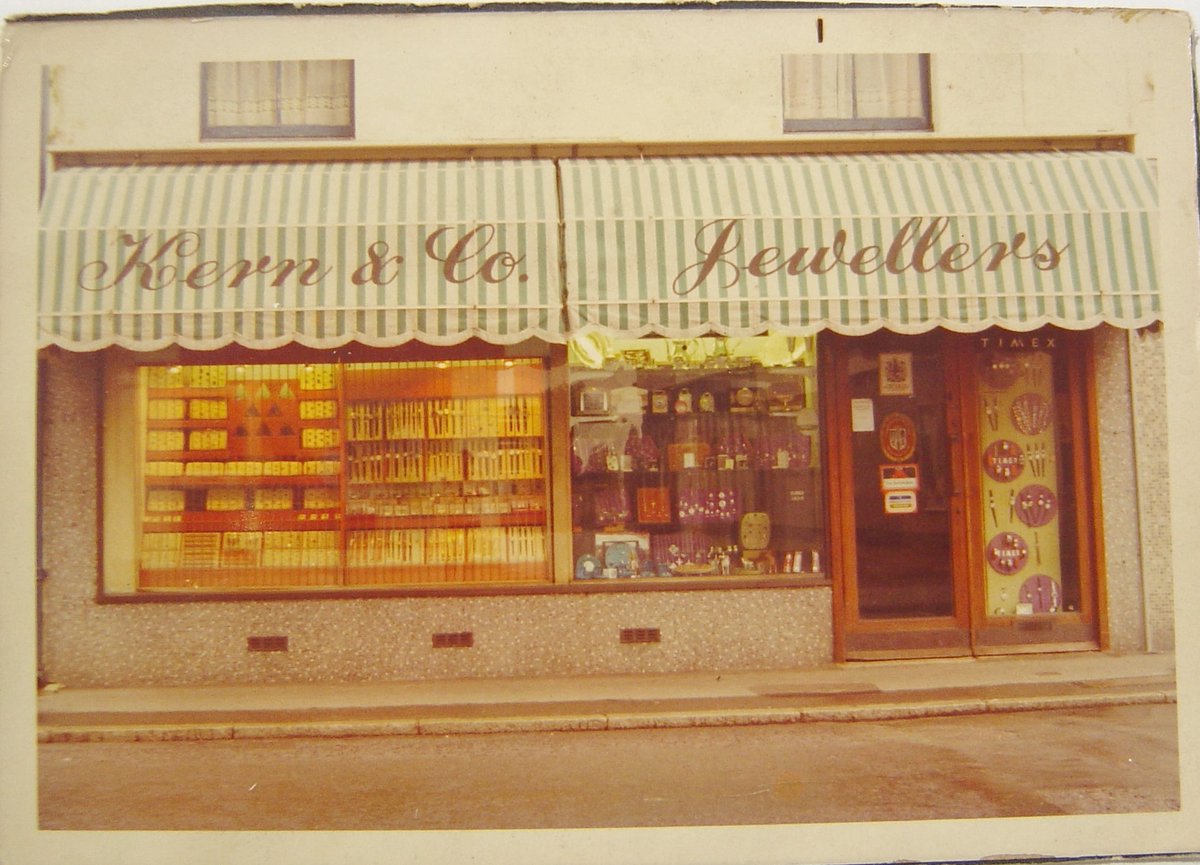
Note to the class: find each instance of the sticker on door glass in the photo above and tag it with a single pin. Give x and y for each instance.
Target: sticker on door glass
(862, 415)
(896, 374)
(898, 437)
(900, 502)
(899, 476)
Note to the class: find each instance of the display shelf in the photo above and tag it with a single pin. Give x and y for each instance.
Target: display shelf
(405, 437)
(401, 574)
(233, 454)
(230, 387)
(184, 423)
(198, 482)
(675, 460)
(242, 521)
(516, 518)
(368, 382)
(652, 474)
(241, 578)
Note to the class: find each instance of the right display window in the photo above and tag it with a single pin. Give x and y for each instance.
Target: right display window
(694, 458)
(1027, 459)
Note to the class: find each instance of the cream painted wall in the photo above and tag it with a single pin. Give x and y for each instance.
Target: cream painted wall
(601, 75)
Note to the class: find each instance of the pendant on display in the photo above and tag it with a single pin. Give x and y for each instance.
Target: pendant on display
(1000, 371)
(991, 408)
(1031, 413)
(1042, 593)
(1036, 505)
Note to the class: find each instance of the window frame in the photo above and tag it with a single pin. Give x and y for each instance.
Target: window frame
(122, 501)
(924, 123)
(278, 130)
(687, 406)
(118, 518)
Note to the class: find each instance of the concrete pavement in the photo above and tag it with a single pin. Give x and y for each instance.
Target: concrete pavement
(844, 692)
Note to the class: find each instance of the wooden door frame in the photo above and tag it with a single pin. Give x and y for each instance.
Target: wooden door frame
(842, 523)
(1077, 352)
(966, 509)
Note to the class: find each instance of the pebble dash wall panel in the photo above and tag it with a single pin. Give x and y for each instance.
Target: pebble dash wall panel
(90, 644)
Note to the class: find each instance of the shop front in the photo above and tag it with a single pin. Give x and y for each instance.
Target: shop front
(944, 308)
(870, 379)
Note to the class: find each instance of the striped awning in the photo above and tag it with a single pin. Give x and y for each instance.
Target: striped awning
(319, 253)
(740, 246)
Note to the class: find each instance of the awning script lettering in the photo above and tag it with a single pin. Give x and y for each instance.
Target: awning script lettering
(917, 246)
(461, 255)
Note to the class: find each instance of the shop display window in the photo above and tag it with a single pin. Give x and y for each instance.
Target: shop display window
(695, 458)
(1028, 458)
(342, 474)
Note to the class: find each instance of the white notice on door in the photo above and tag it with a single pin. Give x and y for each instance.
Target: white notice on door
(862, 415)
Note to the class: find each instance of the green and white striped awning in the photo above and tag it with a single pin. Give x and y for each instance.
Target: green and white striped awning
(323, 254)
(739, 246)
(320, 254)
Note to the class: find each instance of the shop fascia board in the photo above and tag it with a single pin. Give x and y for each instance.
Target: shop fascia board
(276, 152)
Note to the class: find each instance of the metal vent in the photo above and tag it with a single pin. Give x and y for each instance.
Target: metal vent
(454, 640)
(267, 644)
(641, 635)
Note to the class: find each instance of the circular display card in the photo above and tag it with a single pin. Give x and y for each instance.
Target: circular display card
(1000, 371)
(1031, 413)
(1036, 505)
(1007, 552)
(1042, 593)
(1003, 460)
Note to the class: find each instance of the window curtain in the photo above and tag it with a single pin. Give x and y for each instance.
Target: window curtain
(818, 86)
(852, 86)
(287, 93)
(888, 85)
(241, 94)
(314, 92)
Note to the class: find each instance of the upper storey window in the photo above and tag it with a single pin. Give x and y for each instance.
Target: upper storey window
(855, 92)
(277, 99)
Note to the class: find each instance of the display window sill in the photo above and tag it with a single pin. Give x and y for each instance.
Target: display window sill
(577, 587)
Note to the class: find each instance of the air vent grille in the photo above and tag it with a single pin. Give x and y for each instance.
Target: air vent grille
(641, 635)
(454, 640)
(267, 644)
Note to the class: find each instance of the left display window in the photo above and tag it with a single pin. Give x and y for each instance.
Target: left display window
(310, 475)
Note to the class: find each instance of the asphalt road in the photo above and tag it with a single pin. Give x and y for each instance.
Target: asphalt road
(1112, 760)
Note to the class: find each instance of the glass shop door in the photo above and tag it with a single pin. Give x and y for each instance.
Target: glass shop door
(901, 581)
(961, 488)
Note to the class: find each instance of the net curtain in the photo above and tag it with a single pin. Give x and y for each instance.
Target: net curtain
(270, 93)
(847, 86)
